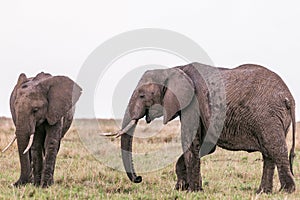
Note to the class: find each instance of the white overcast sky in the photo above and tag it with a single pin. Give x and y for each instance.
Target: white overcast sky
(58, 36)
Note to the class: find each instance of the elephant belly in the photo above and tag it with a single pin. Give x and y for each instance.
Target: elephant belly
(238, 142)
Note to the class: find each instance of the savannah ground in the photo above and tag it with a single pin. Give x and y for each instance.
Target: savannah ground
(79, 175)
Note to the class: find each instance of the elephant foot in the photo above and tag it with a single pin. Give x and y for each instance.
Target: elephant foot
(289, 188)
(195, 189)
(23, 181)
(20, 182)
(37, 183)
(47, 183)
(287, 182)
(195, 185)
(264, 190)
(181, 185)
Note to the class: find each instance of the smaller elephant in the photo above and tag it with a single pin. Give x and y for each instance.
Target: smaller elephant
(42, 109)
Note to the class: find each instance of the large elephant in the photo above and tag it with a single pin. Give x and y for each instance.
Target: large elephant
(42, 109)
(254, 111)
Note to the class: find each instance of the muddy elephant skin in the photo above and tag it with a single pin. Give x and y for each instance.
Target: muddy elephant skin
(258, 110)
(42, 109)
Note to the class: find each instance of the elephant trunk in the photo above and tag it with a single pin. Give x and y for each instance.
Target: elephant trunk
(24, 131)
(126, 148)
(27, 130)
(22, 141)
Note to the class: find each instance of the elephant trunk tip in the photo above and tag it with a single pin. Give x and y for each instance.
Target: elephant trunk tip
(136, 179)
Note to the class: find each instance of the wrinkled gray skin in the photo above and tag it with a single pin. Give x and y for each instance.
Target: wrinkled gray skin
(259, 111)
(43, 106)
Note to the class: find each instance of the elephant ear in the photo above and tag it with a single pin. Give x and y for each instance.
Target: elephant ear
(62, 94)
(22, 79)
(178, 95)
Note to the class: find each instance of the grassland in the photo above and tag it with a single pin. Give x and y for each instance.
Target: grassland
(81, 173)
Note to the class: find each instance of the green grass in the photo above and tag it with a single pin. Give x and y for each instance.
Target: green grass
(79, 175)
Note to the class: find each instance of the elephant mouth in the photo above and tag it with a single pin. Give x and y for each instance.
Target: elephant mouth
(155, 111)
(147, 116)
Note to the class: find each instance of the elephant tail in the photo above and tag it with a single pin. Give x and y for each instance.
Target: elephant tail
(292, 151)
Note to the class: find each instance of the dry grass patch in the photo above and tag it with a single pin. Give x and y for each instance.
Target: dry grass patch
(79, 175)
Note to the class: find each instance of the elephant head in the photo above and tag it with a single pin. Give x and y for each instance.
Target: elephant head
(162, 92)
(38, 100)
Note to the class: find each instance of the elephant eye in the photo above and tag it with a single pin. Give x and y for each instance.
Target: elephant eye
(142, 96)
(24, 86)
(35, 110)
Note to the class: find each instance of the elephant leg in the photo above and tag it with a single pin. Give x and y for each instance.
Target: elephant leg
(37, 155)
(276, 149)
(196, 175)
(285, 175)
(266, 184)
(181, 174)
(190, 138)
(52, 143)
(192, 163)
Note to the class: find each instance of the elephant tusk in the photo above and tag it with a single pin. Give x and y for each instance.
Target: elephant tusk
(126, 129)
(108, 134)
(11, 142)
(29, 144)
(120, 132)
